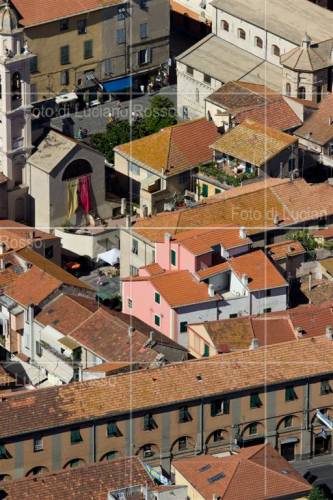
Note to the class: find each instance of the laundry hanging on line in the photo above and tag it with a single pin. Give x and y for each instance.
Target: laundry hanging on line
(72, 197)
(85, 193)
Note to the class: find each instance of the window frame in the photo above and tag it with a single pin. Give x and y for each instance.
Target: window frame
(184, 415)
(259, 43)
(65, 55)
(76, 436)
(276, 51)
(241, 34)
(158, 318)
(38, 444)
(290, 394)
(112, 430)
(225, 26)
(183, 326)
(173, 257)
(64, 25)
(255, 401)
(253, 429)
(82, 25)
(220, 407)
(157, 297)
(149, 423)
(325, 387)
(88, 49)
(182, 447)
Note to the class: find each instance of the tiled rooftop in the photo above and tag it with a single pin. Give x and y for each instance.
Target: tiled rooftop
(63, 405)
(317, 128)
(174, 149)
(285, 249)
(255, 473)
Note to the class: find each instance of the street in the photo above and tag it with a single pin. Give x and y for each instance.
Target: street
(95, 119)
(319, 472)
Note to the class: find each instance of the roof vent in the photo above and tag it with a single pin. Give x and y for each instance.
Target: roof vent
(299, 331)
(211, 291)
(329, 332)
(254, 344)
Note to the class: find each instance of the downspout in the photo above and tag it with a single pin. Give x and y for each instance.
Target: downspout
(94, 441)
(202, 426)
(31, 331)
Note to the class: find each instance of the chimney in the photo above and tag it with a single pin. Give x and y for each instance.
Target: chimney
(31, 235)
(242, 233)
(2, 259)
(144, 211)
(123, 206)
(128, 221)
(299, 331)
(211, 291)
(254, 344)
(167, 237)
(130, 331)
(245, 279)
(276, 219)
(329, 332)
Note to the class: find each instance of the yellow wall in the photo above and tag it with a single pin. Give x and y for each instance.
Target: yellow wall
(211, 188)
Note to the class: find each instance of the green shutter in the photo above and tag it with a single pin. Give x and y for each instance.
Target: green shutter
(64, 54)
(76, 436)
(206, 350)
(204, 190)
(157, 298)
(173, 257)
(88, 49)
(157, 320)
(183, 326)
(255, 401)
(112, 429)
(290, 394)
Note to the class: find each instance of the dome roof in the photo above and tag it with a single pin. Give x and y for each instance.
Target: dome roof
(8, 18)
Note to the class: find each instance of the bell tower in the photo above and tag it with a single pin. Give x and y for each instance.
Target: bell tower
(15, 108)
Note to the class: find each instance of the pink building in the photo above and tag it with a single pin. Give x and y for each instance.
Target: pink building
(203, 275)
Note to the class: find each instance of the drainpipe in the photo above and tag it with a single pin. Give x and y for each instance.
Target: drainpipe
(202, 426)
(94, 442)
(31, 331)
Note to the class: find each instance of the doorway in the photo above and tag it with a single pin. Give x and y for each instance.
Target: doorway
(323, 444)
(288, 451)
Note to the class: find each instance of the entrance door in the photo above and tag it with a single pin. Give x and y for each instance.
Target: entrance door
(322, 445)
(288, 451)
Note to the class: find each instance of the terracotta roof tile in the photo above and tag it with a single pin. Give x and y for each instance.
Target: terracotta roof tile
(277, 114)
(92, 481)
(67, 404)
(283, 249)
(212, 271)
(174, 149)
(153, 269)
(317, 128)
(326, 232)
(32, 287)
(261, 466)
(42, 11)
(238, 96)
(253, 142)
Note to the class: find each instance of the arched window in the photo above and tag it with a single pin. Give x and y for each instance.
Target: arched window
(258, 42)
(37, 471)
(288, 89)
(110, 455)
(241, 34)
(301, 92)
(76, 169)
(16, 83)
(275, 50)
(225, 25)
(75, 462)
(5, 477)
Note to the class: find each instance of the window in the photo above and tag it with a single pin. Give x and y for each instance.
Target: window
(184, 415)
(206, 350)
(110, 455)
(39, 350)
(258, 42)
(173, 256)
(82, 27)
(157, 320)
(135, 246)
(121, 14)
(207, 78)
(112, 430)
(218, 435)
(38, 444)
(217, 191)
(319, 94)
(121, 35)
(143, 30)
(204, 190)
(143, 4)
(325, 387)
(253, 429)
(134, 168)
(275, 50)
(157, 298)
(233, 315)
(64, 24)
(149, 423)
(225, 25)
(64, 54)
(189, 70)
(288, 421)
(301, 93)
(34, 65)
(241, 34)
(144, 56)
(182, 443)
(255, 401)
(4, 453)
(183, 327)
(64, 77)
(49, 253)
(185, 113)
(134, 271)
(76, 436)
(129, 303)
(88, 49)
(219, 407)
(267, 310)
(291, 164)
(184, 178)
(147, 451)
(290, 394)
(288, 89)
(107, 64)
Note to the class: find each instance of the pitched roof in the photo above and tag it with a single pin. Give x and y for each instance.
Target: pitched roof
(325, 232)
(67, 404)
(253, 142)
(308, 57)
(270, 475)
(277, 114)
(92, 481)
(261, 273)
(35, 12)
(238, 96)
(212, 271)
(318, 127)
(16, 235)
(65, 313)
(201, 240)
(295, 201)
(107, 336)
(173, 149)
(285, 249)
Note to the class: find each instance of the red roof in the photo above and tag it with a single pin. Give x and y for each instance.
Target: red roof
(277, 114)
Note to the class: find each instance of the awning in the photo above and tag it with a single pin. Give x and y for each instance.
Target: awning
(118, 84)
(63, 98)
(290, 440)
(111, 257)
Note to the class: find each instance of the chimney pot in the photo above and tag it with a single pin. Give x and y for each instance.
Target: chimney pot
(130, 331)
(299, 331)
(276, 219)
(167, 237)
(329, 332)
(254, 344)
(242, 233)
(245, 279)
(211, 291)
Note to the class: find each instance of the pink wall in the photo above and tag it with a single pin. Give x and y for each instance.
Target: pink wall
(144, 307)
(185, 259)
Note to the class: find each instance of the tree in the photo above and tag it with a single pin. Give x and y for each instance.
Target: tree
(159, 115)
(304, 237)
(317, 494)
